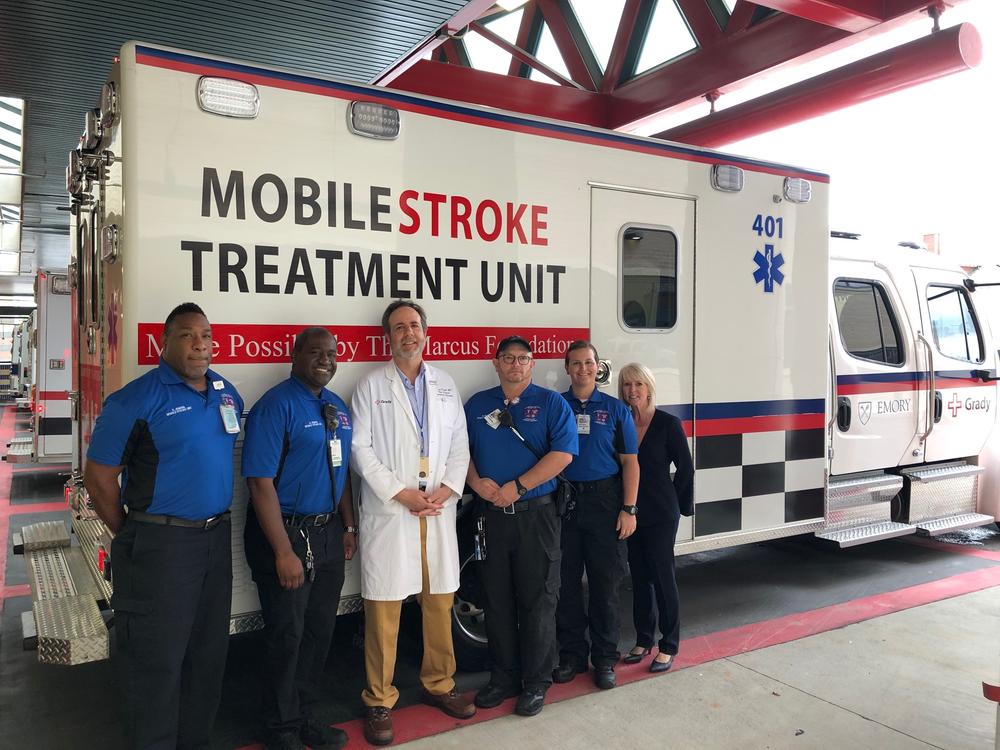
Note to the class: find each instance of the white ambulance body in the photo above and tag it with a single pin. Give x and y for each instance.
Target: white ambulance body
(711, 269)
(21, 358)
(51, 373)
(987, 279)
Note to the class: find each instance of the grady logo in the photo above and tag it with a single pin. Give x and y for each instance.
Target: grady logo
(382, 401)
(955, 404)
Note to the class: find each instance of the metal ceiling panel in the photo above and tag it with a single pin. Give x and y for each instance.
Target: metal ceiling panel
(55, 55)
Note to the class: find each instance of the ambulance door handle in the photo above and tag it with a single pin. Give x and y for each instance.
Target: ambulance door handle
(938, 406)
(843, 413)
(931, 387)
(603, 372)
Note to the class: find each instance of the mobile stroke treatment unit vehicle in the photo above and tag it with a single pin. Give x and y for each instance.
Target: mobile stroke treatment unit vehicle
(837, 397)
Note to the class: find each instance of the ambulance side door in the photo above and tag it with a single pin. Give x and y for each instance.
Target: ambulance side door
(642, 293)
(964, 405)
(877, 399)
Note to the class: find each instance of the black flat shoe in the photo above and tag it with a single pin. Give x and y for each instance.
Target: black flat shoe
(604, 677)
(631, 658)
(661, 666)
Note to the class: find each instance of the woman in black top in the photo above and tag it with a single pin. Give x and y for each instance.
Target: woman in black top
(661, 503)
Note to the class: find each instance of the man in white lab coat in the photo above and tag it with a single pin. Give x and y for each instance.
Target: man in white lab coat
(411, 450)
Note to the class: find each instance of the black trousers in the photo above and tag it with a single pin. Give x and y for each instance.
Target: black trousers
(298, 623)
(654, 587)
(590, 542)
(520, 583)
(172, 594)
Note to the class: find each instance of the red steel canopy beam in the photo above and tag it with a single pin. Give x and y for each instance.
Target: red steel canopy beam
(519, 54)
(940, 54)
(846, 15)
(505, 92)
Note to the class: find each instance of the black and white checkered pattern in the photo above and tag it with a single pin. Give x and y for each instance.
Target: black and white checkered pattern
(758, 480)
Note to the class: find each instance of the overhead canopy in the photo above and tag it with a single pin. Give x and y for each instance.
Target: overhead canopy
(610, 63)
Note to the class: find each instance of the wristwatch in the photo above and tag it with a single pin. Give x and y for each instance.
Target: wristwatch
(630, 509)
(521, 489)
(350, 529)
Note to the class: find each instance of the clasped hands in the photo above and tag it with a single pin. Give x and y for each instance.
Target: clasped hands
(423, 503)
(491, 492)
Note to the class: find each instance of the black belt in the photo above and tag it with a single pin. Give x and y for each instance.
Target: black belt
(206, 524)
(598, 485)
(316, 519)
(522, 506)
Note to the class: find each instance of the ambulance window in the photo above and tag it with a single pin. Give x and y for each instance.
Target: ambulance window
(649, 278)
(867, 323)
(955, 330)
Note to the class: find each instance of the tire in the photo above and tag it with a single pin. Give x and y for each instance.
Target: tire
(468, 620)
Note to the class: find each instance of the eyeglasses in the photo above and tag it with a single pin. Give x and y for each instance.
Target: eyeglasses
(509, 359)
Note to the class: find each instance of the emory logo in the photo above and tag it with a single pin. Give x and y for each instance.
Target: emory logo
(531, 413)
(865, 411)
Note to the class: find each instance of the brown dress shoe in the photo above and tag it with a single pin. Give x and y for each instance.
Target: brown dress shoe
(451, 703)
(378, 725)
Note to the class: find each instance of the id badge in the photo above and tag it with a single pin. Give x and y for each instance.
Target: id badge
(230, 421)
(336, 459)
(425, 468)
(582, 424)
(493, 418)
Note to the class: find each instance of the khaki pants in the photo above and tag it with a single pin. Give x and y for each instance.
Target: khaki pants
(382, 630)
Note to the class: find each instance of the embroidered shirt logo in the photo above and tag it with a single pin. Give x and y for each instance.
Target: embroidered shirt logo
(601, 417)
(178, 410)
(531, 413)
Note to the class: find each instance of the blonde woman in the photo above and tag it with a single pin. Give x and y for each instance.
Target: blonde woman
(661, 503)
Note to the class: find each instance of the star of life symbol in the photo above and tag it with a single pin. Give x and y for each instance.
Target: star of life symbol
(768, 268)
(865, 411)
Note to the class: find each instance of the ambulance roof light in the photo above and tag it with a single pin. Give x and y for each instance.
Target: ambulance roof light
(797, 190)
(727, 178)
(228, 97)
(373, 120)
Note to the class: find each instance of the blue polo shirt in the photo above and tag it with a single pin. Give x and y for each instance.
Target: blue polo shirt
(612, 432)
(287, 439)
(170, 438)
(540, 415)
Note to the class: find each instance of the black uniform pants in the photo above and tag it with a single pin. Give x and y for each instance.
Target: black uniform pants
(172, 593)
(520, 583)
(590, 542)
(298, 623)
(654, 587)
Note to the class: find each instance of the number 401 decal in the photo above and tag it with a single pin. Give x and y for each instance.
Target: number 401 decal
(768, 226)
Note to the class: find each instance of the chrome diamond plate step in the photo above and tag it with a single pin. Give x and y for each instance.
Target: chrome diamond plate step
(940, 526)
(943, 471)
(45, 534)
(19, 452)
(878, 486)
(873, 532)
(70, 630)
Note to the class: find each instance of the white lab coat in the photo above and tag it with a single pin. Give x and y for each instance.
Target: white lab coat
(385, 452)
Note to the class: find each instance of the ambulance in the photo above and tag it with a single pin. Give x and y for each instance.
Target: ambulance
(46, 374)
(825, 390)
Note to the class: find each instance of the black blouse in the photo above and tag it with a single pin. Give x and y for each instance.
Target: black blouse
(660, 499)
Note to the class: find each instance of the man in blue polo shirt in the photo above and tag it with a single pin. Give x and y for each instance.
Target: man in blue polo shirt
(520, 437)
(605, 477)
(295, 457)
(169, 435)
